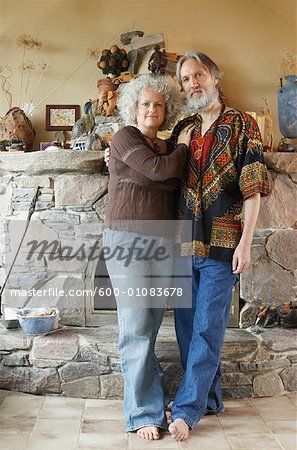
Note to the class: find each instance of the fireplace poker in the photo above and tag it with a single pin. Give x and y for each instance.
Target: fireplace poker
(14, 323)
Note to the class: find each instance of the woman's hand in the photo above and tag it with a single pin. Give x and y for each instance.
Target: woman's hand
(184, 136)
(107, 156)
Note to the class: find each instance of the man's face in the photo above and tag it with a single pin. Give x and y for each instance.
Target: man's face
(198, 84)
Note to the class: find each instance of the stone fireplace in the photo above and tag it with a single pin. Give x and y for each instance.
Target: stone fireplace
(67, 223)
(81, 359)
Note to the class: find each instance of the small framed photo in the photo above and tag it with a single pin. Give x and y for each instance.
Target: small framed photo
(61, 117)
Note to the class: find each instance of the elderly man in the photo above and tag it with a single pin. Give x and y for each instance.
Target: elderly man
(225, 174)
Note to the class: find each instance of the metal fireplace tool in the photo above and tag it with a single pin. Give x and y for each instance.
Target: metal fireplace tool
(14, 323)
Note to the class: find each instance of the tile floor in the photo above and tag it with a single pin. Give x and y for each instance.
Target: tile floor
(32, 422)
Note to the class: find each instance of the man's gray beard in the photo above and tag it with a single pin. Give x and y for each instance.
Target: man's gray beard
(198, 104)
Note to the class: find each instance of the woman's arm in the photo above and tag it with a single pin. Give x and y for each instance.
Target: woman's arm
(129, 146)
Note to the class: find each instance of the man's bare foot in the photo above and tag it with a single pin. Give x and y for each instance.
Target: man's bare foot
(179, 430)
(151, 433)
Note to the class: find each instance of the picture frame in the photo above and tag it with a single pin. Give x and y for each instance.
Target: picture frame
(61, 117)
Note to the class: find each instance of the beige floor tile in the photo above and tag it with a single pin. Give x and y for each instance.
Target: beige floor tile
(103, 426)
(243, 426)
(64, 401)
(56, 426)
(12, 426)
(237, 403)
(282, 426)
(26, 411)
(293, 398)
(166, 442)
(243, 411)
(288, 413)
(253, 441)
(112, 410)
(288, 441)
(3, 394)
(204, 442)
(63, 412)
(19, 398)
(279, 401)
(14, 442)
(99, 403)
(107, 441)
(53, 442)
(54, 423)
(22, 404)
(207, 425)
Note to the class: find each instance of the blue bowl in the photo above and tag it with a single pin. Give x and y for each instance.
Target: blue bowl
(35, 324)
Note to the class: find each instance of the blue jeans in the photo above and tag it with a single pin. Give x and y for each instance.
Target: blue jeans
(140, 313)
(200, 332)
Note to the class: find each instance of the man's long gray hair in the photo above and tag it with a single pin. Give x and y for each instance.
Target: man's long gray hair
(205, 62)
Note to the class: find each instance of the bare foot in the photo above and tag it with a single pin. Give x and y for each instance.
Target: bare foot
(179, 430)
(151, 433)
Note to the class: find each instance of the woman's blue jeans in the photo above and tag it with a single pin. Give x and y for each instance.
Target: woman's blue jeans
(139, 319)
(200, 332)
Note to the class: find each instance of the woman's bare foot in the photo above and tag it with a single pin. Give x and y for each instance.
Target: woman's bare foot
(179, 430)
(151, 433)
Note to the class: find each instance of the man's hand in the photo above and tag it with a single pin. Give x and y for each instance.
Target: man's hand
(242, 258)
(107, 155)
(242, 255)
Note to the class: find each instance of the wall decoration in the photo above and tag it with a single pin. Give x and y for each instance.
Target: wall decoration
(113, 61)
(61, 117)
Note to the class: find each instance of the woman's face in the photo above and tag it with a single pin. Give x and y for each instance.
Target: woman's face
(150, 111)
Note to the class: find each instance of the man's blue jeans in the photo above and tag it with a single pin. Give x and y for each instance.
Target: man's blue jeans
(200, 332)
(139, 319)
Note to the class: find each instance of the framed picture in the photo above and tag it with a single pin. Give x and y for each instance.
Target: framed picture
(61, 117)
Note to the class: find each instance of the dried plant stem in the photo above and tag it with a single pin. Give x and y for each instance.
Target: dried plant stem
(61, 84)
(5, 86)
(22, 76)
(37, 86)
(27, 84)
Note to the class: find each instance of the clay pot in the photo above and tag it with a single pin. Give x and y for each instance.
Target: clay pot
(106, 84)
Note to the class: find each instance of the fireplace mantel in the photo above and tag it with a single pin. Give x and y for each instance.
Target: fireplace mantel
(51, 161)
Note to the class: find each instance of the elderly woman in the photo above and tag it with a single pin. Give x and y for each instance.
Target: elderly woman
(144, 175)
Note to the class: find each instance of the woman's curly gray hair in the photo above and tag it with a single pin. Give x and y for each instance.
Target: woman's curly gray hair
(129, 95)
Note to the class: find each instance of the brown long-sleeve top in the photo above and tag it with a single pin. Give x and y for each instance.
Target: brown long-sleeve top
(143, 185)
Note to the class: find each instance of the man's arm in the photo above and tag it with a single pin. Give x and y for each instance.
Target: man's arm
(242, 255)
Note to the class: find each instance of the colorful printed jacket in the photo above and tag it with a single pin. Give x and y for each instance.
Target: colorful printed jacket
(215, 187)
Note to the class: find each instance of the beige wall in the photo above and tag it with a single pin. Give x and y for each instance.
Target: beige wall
(245, 37)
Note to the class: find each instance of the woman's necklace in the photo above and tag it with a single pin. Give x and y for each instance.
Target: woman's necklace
(201, 139)
(154, 143)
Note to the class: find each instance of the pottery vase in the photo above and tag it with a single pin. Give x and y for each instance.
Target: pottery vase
(287, 107)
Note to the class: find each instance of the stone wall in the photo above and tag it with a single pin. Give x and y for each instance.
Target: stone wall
(68, 214)
(84, 362)
(273, 272)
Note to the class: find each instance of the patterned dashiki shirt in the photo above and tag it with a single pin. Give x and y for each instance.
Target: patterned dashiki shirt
(230, 169)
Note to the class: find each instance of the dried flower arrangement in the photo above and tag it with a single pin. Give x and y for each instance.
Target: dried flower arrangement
(25, 102)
